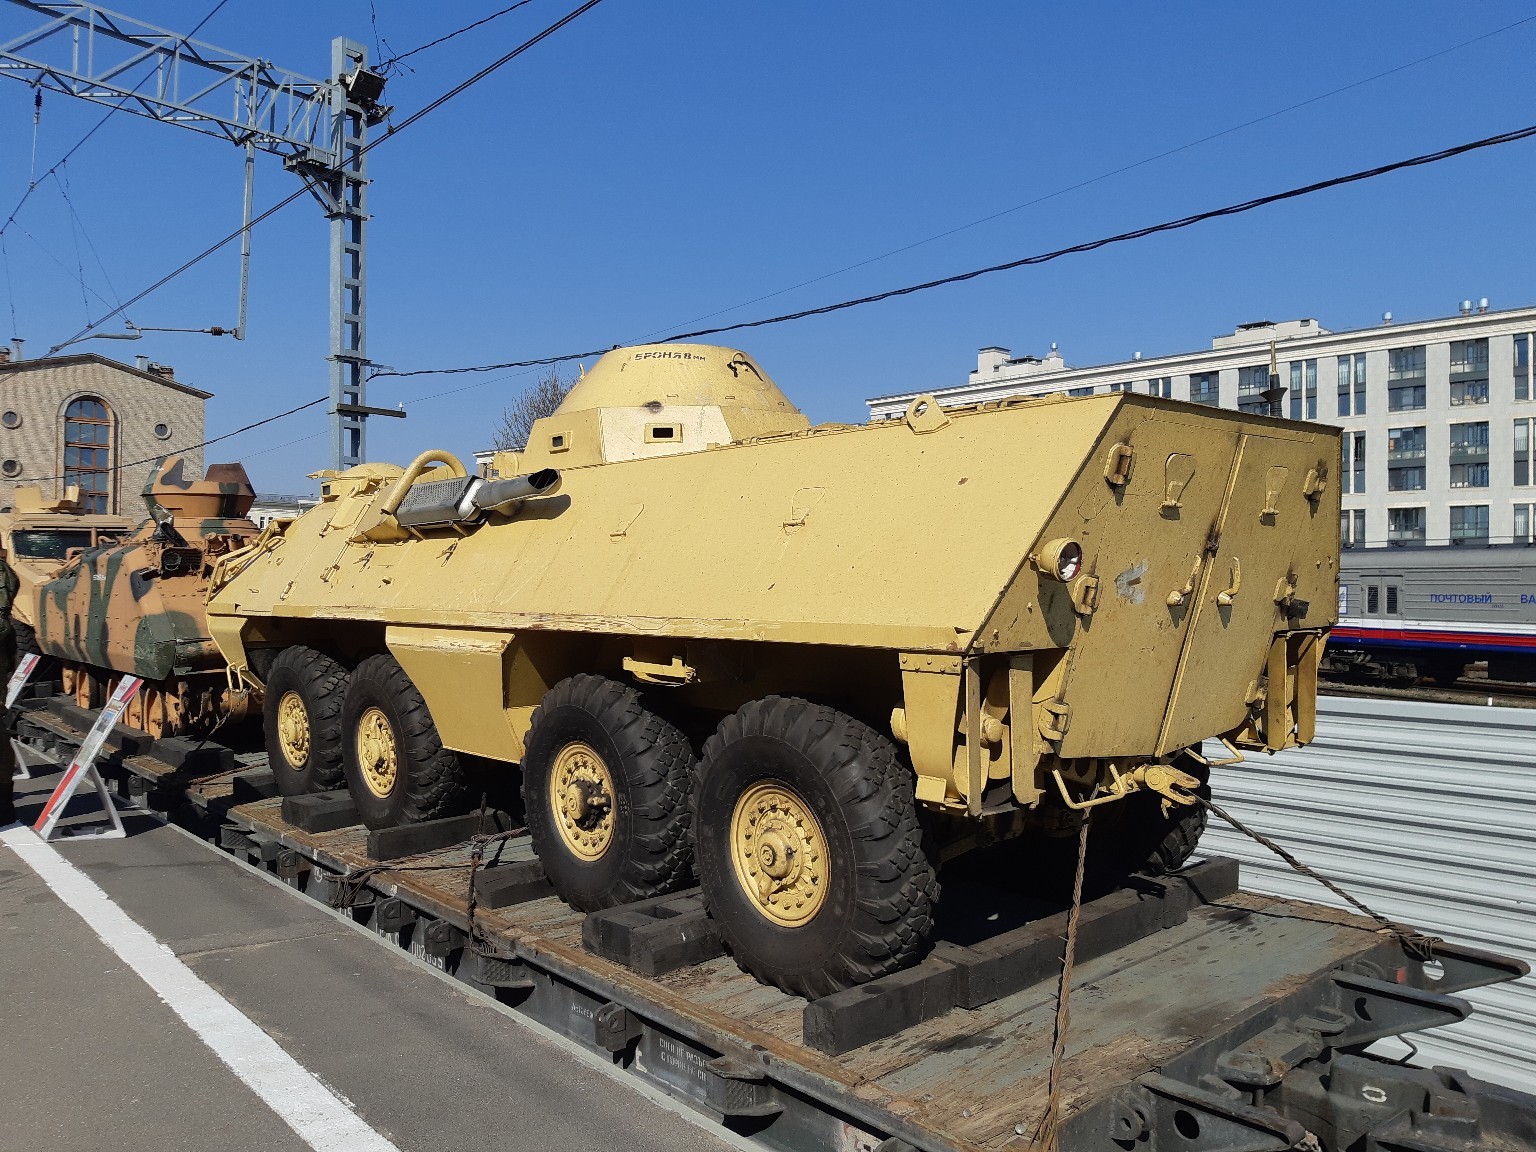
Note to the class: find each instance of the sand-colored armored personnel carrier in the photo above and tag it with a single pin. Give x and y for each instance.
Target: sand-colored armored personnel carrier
(137, 607)
(905, 638)
(39, 535)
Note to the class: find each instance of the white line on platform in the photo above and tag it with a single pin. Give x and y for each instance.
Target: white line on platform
(300, 1100)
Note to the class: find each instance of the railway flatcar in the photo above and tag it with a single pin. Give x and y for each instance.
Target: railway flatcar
(1411, 613)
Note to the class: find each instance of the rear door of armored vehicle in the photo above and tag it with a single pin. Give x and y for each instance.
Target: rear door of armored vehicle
(1145, 540)
(1269, 567)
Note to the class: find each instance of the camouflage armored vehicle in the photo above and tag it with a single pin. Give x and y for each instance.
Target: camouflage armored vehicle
(137, 607)
(799, 664)
(39, 536)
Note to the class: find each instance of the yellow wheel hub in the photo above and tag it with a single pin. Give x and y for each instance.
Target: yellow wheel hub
(377, 755)
(779, 853)
(581, 796)
(293, 729)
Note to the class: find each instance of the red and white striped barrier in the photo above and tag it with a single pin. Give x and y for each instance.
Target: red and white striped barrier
(84, 764)
(19, 678)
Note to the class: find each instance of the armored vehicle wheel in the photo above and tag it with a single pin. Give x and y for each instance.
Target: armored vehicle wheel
(809, 849)
(26, 639)
(1157, 843)
(396, 766)
(301, 717)
(605, 792)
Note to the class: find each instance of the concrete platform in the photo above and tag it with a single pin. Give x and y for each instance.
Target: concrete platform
(93, 1059)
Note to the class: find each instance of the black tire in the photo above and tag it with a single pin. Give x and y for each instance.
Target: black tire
(26, 640)
(312, 680)
(876, 911)
(640, 844)
(428, 781)
(1156, 843)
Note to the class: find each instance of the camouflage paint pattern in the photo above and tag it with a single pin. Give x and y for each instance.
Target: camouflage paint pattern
(31, 522)
(137, 607)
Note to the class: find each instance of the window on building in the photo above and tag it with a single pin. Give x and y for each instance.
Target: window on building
(1468, 392)
(1469, 372)
(88, 452)
(1469, 455)
(1405, 525)
(1405, 379)
(1353, 469)
(1122, 386)
(1523, 470)
(1405, 459)
(1352, 385)
(1524, 521)
(1523, 367)
(1352, 527)
(1205, 388)
(1469, 356)
(1469, 524)
(1251, 382)
(1303, 389)
(1086, 391)
(1161, 386)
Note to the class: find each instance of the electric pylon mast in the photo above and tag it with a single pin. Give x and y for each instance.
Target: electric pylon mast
(318, 127)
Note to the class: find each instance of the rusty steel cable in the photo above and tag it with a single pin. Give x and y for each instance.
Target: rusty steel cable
(1415, 943)
(1047, 1132)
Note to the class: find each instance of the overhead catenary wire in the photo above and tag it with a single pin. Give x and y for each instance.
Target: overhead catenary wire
(36, 180)
(406, 123)
(10, 288)
(68, 271)
(1113, 172)
(392, 61)
(193, 447)
(63, 184)
(1023, 262)
(393, 131)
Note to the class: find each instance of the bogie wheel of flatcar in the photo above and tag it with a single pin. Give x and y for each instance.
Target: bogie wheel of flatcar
(1445, 673)
(302, 721)
(605, 792)
(810, 854)
(396, 766)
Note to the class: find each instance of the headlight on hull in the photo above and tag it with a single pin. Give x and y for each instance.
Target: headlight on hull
(1060, 559)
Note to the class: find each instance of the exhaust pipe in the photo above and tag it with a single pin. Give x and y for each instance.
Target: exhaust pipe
(506, 495)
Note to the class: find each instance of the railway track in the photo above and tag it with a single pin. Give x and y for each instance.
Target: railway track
(1468, 690)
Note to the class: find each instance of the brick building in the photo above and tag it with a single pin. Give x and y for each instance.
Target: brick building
(87, 420)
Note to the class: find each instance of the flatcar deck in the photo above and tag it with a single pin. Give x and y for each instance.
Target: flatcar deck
(1222, 986)
(968, 1079)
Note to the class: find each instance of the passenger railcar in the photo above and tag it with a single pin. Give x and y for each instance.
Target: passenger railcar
(1406, 613)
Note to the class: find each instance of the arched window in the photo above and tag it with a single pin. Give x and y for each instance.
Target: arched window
(88, 452)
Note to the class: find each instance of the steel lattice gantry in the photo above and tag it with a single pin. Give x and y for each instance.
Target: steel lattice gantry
(319, 128)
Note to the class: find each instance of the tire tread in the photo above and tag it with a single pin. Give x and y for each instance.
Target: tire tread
(899, 885)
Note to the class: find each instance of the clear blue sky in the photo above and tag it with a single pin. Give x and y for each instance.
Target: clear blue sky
(655, 162)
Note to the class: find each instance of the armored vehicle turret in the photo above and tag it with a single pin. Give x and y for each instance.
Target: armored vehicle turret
(799, 665)
(137, 607)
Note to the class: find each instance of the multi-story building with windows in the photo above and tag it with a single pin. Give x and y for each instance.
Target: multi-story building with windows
(1437, 414)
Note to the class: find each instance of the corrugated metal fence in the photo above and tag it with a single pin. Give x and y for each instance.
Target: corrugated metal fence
(1427, 812)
